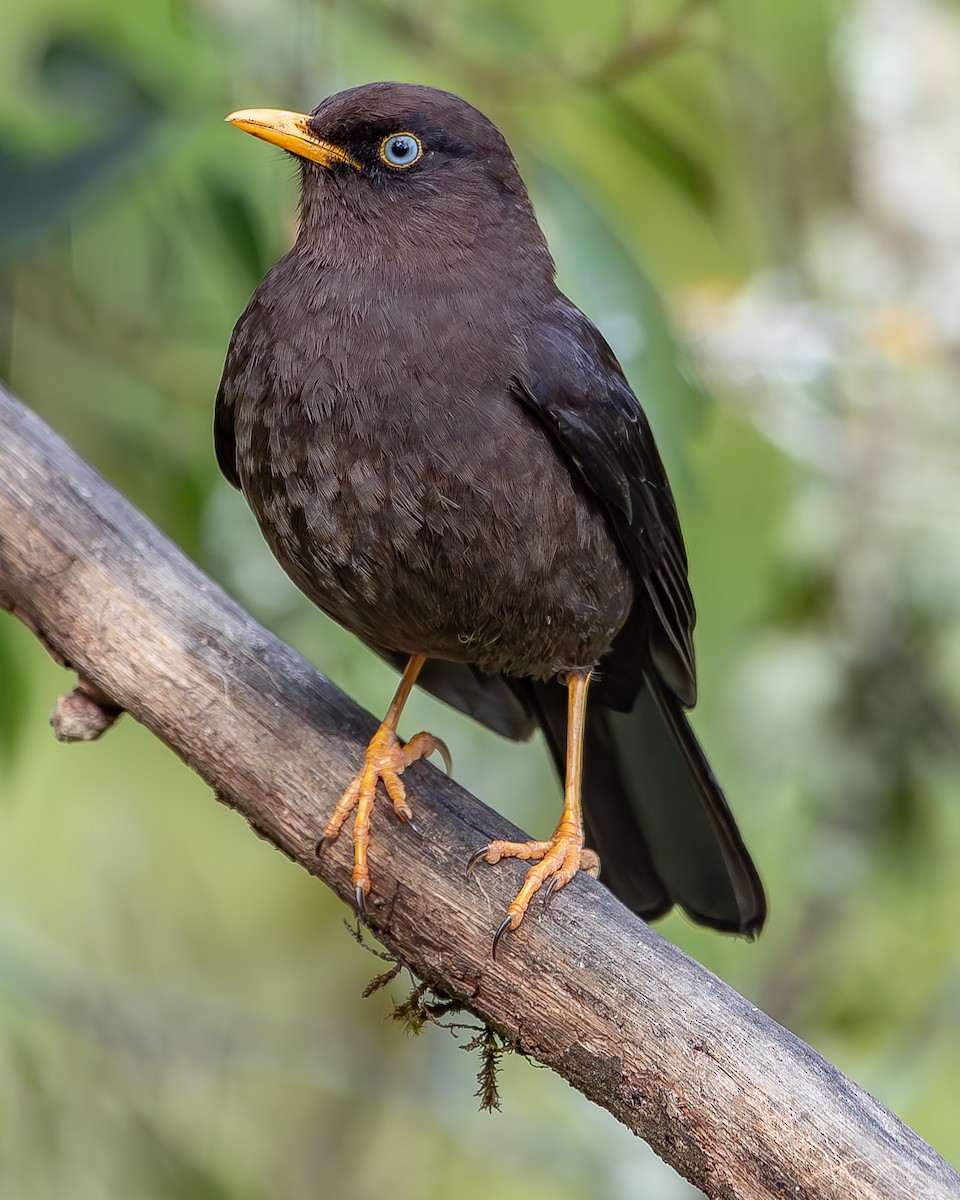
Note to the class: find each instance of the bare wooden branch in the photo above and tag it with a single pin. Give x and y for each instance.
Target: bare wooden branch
(734, 1102)
(84, 714)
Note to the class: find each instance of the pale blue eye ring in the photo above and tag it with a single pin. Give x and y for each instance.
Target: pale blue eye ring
(400, 149)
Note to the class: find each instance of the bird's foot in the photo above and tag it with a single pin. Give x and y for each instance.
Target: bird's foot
(556, 863)
(385, 760)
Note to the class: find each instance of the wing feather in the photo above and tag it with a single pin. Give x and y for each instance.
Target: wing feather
(576, 387)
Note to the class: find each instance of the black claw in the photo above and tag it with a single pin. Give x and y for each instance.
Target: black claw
(475, 858)
(318, 849)
(507, 921)
(548, 894)
(361, 907)
(410, 825)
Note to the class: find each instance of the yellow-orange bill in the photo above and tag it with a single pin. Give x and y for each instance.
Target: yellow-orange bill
(291, 132)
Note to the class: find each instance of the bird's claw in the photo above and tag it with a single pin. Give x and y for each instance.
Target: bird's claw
(548, 892)
(441, 748)
(556, 862)
(474, 858)
(409, 822)
(505, 926)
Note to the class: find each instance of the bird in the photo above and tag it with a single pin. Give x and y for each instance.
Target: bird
(444, 454)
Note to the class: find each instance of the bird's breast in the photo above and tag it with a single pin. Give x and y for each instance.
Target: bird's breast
(412, 498)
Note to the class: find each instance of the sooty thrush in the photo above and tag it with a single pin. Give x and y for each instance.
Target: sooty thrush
(444, 455)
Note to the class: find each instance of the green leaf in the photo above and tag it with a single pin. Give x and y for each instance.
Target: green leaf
(35, 195)
(662, 150)
(235, 216)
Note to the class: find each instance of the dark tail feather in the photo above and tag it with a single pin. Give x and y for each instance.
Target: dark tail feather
(655, 814)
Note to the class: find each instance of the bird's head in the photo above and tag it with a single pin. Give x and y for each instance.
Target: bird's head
(405, 168)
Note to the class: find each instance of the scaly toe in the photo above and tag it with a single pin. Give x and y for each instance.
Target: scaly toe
(422, 745)
(555, 863)
(384, 761)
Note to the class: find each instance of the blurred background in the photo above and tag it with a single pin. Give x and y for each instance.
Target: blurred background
(759, 204)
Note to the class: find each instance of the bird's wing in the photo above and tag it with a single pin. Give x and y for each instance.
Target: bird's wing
(575, 386)
(244, 371)
(224, 435)
(224, 439)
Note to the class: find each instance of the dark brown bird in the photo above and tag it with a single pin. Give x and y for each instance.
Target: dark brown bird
(444, 455)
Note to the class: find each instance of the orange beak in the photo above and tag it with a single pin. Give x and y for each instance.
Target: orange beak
(290, 131)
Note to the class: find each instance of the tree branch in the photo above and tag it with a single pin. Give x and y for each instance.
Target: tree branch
(734, 1102)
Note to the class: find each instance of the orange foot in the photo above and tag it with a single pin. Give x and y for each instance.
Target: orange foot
(385, 759)
(557, 861)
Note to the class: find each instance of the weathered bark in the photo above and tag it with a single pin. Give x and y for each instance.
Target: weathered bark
(734, 1102)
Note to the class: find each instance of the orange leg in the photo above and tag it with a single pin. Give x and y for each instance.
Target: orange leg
(385, 759)
(559, 859)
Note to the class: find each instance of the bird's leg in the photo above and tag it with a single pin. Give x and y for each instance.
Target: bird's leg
(558, 859)
(385, 759)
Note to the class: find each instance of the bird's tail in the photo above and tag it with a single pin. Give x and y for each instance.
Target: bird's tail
(655, 813)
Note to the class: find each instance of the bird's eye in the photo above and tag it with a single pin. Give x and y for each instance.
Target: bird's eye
(400, 149)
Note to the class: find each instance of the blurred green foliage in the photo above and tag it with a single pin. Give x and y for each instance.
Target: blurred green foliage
(179, 1007)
